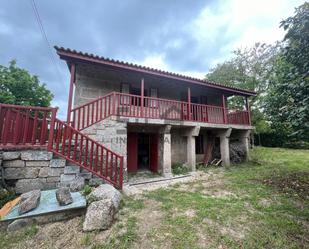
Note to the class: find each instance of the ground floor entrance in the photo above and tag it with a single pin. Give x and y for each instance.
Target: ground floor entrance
(142, 151)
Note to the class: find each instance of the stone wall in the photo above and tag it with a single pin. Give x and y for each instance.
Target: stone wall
(32, 169)
(111, 133)
(179, 147)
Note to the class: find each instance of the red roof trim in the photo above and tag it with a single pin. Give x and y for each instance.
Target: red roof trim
(73, 54)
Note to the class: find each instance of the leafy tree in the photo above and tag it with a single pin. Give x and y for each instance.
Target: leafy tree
(251, 69)
(287, 103)
(18, 87)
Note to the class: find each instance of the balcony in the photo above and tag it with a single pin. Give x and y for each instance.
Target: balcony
(129, 105)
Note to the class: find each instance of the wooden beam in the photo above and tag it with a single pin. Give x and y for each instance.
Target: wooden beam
(189, 104)
(224, 109)
(142, 97)
(248, 110)
(72, 79)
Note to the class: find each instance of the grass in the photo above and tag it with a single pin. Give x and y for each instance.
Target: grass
(259, 204)
(255, 215)
(8, 240)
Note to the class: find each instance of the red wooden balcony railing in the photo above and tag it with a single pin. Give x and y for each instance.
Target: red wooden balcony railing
(129, 105)
(25, 126)
(81, 150)
(238, 117)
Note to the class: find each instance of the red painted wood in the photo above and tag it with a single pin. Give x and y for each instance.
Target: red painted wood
(154, 141)
(70, 92)
(132, 152)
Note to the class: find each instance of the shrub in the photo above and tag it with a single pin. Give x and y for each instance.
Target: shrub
(179, 169)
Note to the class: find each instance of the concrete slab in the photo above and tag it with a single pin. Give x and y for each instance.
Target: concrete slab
(48, 204)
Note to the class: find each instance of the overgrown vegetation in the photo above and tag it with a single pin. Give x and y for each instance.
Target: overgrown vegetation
(6, 196)
(279, 74)
(179, 169)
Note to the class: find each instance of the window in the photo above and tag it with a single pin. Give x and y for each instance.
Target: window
(125, 88)
(199, 144)
(154, 94)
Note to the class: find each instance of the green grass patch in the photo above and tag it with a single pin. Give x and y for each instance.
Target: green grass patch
(10, 239)
(179, 169)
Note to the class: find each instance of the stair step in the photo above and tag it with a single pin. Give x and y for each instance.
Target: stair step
(70, 169)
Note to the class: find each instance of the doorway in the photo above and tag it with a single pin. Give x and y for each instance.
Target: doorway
(142, 152)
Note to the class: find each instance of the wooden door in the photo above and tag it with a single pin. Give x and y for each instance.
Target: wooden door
(153, 153)
(132, 152)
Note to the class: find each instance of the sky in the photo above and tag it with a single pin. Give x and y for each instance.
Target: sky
(183, 36)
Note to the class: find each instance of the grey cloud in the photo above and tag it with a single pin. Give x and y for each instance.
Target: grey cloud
(125, 30)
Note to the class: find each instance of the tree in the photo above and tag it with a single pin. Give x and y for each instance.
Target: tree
(287, 104)
(18, 87)
(251, 69)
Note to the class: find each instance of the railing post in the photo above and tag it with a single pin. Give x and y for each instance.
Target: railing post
(248, 111)
(142, 98)
(72, 80)
(114, 103)
(121, 173)
(224, 109)
(51, 128)
(189, 103)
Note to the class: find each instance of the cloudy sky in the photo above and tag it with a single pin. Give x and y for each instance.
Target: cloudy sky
(182, 36)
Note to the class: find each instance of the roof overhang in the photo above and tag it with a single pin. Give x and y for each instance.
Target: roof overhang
(73, 56)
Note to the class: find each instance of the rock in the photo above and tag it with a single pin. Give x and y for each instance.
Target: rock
(33, 155)
(21, 173)
(37, 163)
(70, 169)
(55, 171)
(57, 163)
(77, 184)
(25, 185)
(67, 177)
(237, 152)
(11, 155)
(94, 182)
(64, 196)
(14, 163)
(105, 192)
(19, 224)
(99, 215)
(29, 201)
(85, 175)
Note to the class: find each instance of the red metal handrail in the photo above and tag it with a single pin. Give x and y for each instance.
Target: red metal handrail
(92, 112)
(81, 150)
(25, 126)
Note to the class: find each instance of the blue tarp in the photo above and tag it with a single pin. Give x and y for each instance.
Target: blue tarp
(48, 204)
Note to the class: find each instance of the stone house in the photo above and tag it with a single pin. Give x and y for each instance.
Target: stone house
(123, 118)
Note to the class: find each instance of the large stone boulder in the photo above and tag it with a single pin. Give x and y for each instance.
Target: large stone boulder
(63, 196)
(105, 192)
(29, 201)
(19, 224)
(77, 184)
(99, 216)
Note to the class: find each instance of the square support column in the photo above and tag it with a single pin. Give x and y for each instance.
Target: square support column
(245, 140)
(225, 146)
(191, 156)
(165, 151)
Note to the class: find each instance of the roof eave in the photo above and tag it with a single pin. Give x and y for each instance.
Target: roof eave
(69, 56)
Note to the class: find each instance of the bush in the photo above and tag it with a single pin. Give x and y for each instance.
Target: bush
(179, 169)
(6, 196)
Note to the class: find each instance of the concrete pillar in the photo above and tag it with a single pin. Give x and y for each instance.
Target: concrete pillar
(245, 140)
(165, 152)
(225, 146)
(191, 133)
